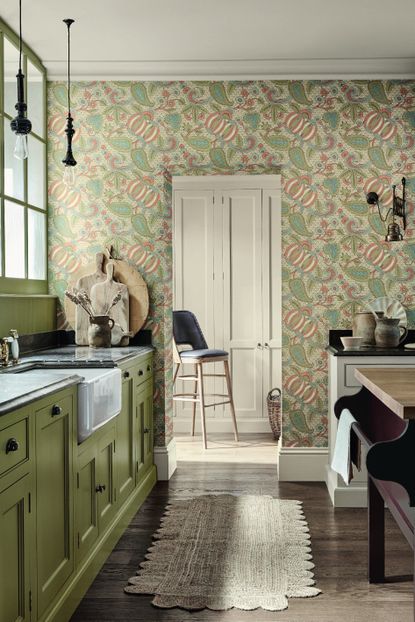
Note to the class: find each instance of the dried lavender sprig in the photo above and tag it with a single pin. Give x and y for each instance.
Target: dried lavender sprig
(75, 299)
(115, 300)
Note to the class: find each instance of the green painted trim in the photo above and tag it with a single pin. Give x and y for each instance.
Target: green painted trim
(5, 28)
(24, 285)
(76, 589)
(27, 313)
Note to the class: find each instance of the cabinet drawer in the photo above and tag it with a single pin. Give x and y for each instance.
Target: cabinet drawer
(143, 371)
(14, 445)
(349, 368)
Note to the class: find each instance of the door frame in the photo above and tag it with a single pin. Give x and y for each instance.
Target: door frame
(270, 184)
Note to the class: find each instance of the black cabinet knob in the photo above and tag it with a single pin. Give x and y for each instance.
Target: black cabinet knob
(148, 367)
(140, 372)
(100, 488)
(56, 410)
(126, 374)
(11, 445)
(146, 430)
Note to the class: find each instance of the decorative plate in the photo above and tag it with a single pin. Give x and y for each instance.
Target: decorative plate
(391, 308)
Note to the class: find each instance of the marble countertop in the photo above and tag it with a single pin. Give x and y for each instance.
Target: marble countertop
(85, 355)
(18, 389)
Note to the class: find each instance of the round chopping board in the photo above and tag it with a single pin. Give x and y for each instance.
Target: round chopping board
(123, 273)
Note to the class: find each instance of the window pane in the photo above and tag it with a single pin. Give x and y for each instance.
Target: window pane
(36, 173)
(11, 66)
(36, 244)
(13, 168)
(14, 236)
(35, 98)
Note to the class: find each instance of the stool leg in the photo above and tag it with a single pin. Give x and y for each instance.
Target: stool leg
(176, 371)
(202, 402)
(194, 404)
(230, 395)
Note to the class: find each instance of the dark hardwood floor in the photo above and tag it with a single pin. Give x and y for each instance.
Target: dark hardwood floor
(339, 541)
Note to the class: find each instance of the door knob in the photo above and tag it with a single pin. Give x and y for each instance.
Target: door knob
(11, 445)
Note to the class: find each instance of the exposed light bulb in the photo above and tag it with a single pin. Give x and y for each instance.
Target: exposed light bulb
(69, 176)
(21, 150)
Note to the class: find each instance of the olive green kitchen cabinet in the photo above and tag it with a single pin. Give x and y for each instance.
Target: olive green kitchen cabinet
(125, 454)
(55, 440)
(63, 506)
(96, 495)
(86, 500)
(15, 537)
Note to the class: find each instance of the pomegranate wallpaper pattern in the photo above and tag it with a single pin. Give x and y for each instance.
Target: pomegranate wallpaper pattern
(333, 142)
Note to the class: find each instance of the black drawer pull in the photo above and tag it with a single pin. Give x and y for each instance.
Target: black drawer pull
(11, 445)
(126, 374)
(140, 372)
(146, 430)
(56, 410)
(100, 488)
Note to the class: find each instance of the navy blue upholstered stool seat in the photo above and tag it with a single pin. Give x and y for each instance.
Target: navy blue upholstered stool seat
(190, 347)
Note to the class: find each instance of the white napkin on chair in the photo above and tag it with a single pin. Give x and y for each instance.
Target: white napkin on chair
(341, 462)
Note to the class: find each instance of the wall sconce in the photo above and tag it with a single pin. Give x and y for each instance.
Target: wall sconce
(398, 209)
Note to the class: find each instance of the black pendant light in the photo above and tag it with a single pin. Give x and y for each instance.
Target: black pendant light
(21, 125)
(69, 161)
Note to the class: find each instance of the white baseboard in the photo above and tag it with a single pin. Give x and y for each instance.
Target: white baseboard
(182, 425)
(165, 460)
(302, 464)
(352, 496)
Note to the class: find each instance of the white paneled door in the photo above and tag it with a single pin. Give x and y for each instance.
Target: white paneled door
(227, 264)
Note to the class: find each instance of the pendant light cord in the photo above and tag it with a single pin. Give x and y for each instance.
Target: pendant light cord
(20, 36)
(69, 71)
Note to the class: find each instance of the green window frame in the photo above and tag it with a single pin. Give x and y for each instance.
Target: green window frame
(23, 194)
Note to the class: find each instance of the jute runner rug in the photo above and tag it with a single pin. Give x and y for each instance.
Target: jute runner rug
(223, 551)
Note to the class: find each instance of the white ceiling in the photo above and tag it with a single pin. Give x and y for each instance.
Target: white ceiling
(208, 39)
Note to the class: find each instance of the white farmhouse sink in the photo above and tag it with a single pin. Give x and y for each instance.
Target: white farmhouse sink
(99, 394)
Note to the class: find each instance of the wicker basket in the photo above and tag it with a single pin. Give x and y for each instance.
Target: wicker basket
(274, 412)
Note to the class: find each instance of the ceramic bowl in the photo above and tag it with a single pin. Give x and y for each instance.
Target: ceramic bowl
(351, 343)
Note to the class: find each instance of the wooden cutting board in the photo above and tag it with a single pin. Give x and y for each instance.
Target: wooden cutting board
(102, 295)
(86, 282)
(123, 273)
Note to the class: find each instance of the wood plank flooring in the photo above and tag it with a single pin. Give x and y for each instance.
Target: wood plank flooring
(339, 541)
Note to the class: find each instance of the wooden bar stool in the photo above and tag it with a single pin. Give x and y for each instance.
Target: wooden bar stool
(187, 332)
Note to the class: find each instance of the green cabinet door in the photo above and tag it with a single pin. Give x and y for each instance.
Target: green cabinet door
(86, 501)
(125, 443)
(143, 428)
(148, 432)
(54, 497)
(105, 482)
(14, 555)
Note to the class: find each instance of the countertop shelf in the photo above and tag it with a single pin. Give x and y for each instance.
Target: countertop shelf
(335, 347)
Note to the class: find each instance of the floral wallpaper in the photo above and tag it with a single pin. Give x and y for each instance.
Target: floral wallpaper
(332, 141)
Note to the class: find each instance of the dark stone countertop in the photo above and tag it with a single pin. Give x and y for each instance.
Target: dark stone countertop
(335, 347)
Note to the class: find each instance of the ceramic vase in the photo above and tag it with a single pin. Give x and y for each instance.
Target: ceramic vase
(388, 333)
(99, 331)
(364, 324)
